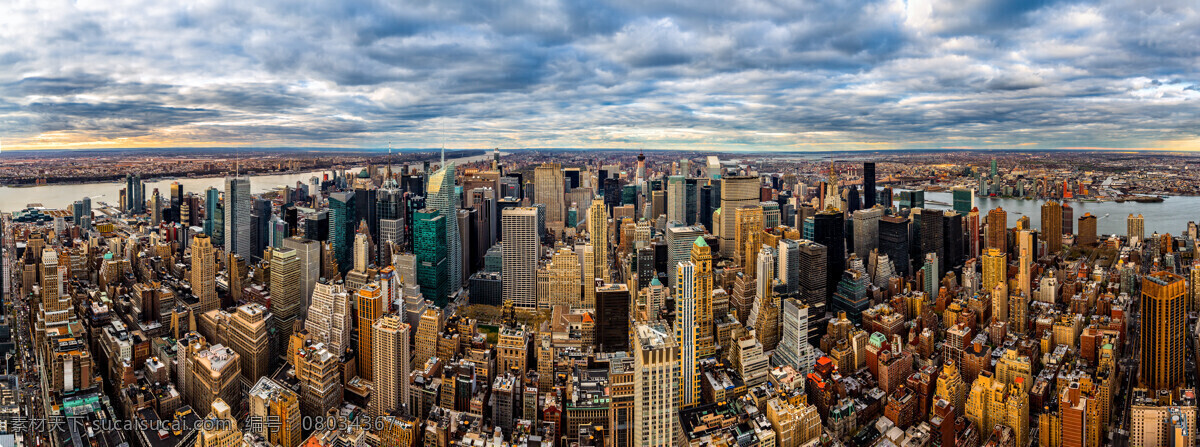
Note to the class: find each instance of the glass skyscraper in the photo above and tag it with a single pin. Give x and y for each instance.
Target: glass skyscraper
(429, 245)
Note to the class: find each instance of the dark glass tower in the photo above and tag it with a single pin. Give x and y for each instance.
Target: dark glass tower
(343, 221)
(829, 229)
(869, 192)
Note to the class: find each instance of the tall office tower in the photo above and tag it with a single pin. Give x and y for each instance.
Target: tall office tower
(869, 192)
(237, 216)
(212, 201)
(426, 340)
(680, 240)
(866, 231)
(443, 197)
(964, 200)
(343, 220)
(894, 242)
(612, 308)
(933, 236)
(319, 374)
(249, 338)
(177, 203)
(749, 222)
(308, 252)
(736, 192)
(656, 395)
(560, 281)
(995, 269)
(366, 207)
(685, 335)
(1164, 331)
(520, 248)
(997, 229)
(362, 251)
(549, 190)
(390, 359)
(852, 201)
(329, 318)
(1136, 228)
(692, 201)
(973, 249)
(933, 276)
(765, 268)
(1068, 219)
(260, 226)
(952, 231)
(814, 260)
(285, 290)
(135, 194)
(1087, 230)
(1025, 249)
(430, 234)
(598, 228)
(702, 290)
(676, 199)
(1052, 227)
(370, 309)
(793, 349)
(204, 273)
(829, 231)
(276, 402)
(219, 427)
(788, 269)
(216, 372)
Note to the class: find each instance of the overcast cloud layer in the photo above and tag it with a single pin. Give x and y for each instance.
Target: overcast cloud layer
(787, 75)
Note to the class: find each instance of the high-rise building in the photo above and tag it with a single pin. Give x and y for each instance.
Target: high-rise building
(793, 349)
(308, 252)
(237, 217)
(248, 337)
(370, 309)
(1136, 228)
(656, 393)
(1087, 230)
(933, 238)
(275, 402)
(964, 200)
(430, 236)
(329, 317)
(215, 375)
(391, 358)
(204, 273)
(1164, 331)
(702, 290)
(814, 260)
(788, 268)
(1068, 219)
(135, 194)
(676, 199)
(894, 242)
(869, 192)
(549, 190)
(444, 198)
(1052, 227)
(520, 248)
(285, 290)
(685, 335)
(973, 249)
(343, 220)
(219, 428)
(561, 281)
(612, 309)
(997, 229)
(426, 341)
(598, 228)
(736, 192)
(749, 221)
(829, 230)
(995, 270)
(866, 231)
(680, 240)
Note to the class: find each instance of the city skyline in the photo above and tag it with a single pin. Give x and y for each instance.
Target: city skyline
(750, 76)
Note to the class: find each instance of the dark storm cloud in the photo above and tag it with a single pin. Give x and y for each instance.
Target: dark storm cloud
(551, 73)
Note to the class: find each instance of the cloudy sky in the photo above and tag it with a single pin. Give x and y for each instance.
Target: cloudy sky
(699, 74)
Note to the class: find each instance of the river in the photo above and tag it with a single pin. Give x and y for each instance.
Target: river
(1169, 216)
(62, 196)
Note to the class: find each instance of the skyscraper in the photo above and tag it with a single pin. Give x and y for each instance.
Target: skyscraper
(285, 290)
(680, 240)
(788, 270)
(685, 335)
(549, 190)
(676, 199)
(656, 393)
(829, 230)
(793, 349)
(866, 231)
(1136, 228)
(204, 273)
(869, 192)
(370, 309)
(520, 248)
(444, 198)
(391, 358)
(274, 401)
(135, 194)
(702, 290)
(1164, 331)
(1052, 226)
(1087, 230)
(329, 318)
(997, 229)
(248, 337)
(430, 234)
(309, 254)
(598, 227)
(237, 216)
(894, 241)
(736, 192)
(343, 221)
(612, 310)
(814, 283)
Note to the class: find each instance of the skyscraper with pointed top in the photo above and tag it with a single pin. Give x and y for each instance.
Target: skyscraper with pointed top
(444, 198)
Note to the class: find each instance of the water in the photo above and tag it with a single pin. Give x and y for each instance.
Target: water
(1169, 216)
(62, 196)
